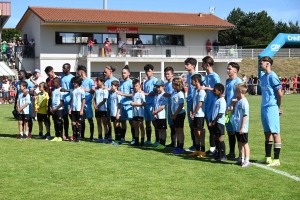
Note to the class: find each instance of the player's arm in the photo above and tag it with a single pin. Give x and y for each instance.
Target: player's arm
(16, 99)
(199, 105)
(102, 103)
(70, 110)
(178, 110)
(279, 97)
(82, 105)
(59, 105)
(118, 111)
(24, 106)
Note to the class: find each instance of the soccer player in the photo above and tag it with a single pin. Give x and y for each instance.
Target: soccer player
(270, 110)
(76, 109)
(241, 122)
(115, 111)
(190, 64)
(217, 123)
(100, 105)
(89, 88)
(66, 86)
(149, 89)
(23, 109)
(138, 103)
(232, 70)
(108, 73)
(41, 107)
(177, 113)
(57, 109)
(159, 113)
(126, 89)
(169, 73)
(197, 115)
(211, 80)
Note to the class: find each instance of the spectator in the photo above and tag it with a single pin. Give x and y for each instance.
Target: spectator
(107, 47)
(139, 44)
(121, 44)
(244, 78)
(250, 85)
(8, 53)
(3, 49)
(90, 44)
(216, 44)
(255, 82)
(208, 47)
(31, 48)
(295, 81)
(231, 51)
(5, 88)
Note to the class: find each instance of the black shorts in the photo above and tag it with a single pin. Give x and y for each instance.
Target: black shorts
(42, 117)
(243, 138)
(58, 115)
(138, 119)
(161, 123)
(76, 117)
(219, 129)
(23, 117)
(113, 119)
(99, 114)
(198, 122)
(179, 121)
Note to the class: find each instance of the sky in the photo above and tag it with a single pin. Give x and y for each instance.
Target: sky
(279, 10)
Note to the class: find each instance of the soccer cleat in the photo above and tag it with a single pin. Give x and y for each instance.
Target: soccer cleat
(210, 153)
(246, 164)
(191, 149)
(132, 142)
(59, 139)
(223, 159)
(19, 136)
(110, 138)
(54, 139)
(148, 143)
(195, 153)
(266, 160)
(24, 136)
(231, 156)
(48, 138)
(201, 154)
(106, 141)
(160, 146)
(239, 162)
(29, 136)
(100, 140)
(115, 143)
(155, 144)
(66, 138)
(178, 151)
(274, 163)
(123, 140)
(91, 140)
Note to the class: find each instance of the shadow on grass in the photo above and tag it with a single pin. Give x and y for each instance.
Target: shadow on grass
(10, 119)
(5, 135)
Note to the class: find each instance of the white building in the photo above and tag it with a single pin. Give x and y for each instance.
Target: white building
(61, 34)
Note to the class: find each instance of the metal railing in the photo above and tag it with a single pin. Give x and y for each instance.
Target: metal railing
(25, 51)
(284, 52)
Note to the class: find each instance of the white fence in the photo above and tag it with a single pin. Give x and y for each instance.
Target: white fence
(284, 52)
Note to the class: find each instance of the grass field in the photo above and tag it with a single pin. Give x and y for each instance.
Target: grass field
(38, 169)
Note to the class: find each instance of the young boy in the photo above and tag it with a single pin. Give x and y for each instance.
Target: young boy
(23, 110)
(217, 122)
(138, 103)
(77, 102)
(241, 119)
(159, 113)
(197, 115)
(115, 111)
(100, 105)
(56, 109)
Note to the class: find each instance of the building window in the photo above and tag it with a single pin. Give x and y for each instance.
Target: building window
(82, 38)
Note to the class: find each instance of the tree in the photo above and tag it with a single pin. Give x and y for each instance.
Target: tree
(10, 34)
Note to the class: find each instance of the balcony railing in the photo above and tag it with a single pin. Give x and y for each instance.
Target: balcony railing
(25, 51)
(98, 50)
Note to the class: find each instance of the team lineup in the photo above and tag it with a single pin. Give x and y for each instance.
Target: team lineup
(160, 104)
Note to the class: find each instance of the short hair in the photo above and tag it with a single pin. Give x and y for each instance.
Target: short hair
(208, 60)
(115, 83)
(127, 68)
(191, 61)
(220, 87)
(28, 75)
(110, 68)
(266, 58)
(23, 71)
(235, 65)
(101, 79)
(56, 79)
(169, 69)
(48, 69)
(135, 81)
(81, 67)
(45, 86)
(77, 79)
(68, 65)
(148, 67)
(197, 77)
(24, 84)
(178, 84)
(242, 86)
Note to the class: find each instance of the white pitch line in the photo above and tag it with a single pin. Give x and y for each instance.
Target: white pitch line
(277, 171)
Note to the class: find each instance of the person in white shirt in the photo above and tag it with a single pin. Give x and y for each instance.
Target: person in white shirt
(5, 88)
(121, 44)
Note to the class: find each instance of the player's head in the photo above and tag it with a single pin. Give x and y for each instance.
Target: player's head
(49, 72)
(196, 78)
(22, 74)
(190, 64)
(66, 68)
(100, 80)
(207, 62)
(125, 72)
(136, 84)
(56, 82)
(81, 70)
(219, 89)
(43, 87)
(169, 72)
(177, 84)
(108, 70)
(265, 63)
(241, 88)
(115, 85)
(232, 69)
(149, 70)
(23, 85)
(76, 81)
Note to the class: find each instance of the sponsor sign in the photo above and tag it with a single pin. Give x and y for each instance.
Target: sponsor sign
(122, 30)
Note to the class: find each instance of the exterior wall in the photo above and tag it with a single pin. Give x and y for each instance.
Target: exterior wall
(32, 29)
(221, 69)
(31, 64)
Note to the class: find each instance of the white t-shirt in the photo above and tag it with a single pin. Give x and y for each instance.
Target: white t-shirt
(5, 87)
(120, 43)
(38, 81)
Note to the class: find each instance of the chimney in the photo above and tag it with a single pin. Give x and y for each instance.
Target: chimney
(104, 4)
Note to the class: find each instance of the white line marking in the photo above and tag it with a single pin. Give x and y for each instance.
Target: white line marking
(277, 171)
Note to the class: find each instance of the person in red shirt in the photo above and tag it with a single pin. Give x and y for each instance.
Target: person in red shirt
(295, 84)
(208, 47)
(107, 47)
(90, 46)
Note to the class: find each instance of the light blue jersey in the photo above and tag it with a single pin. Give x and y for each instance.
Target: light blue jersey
(148, 88)
(210, 81)
(88, 84)
(57, 96)
(230, 89)
(168, 87)
(177, 99)
(269, 85)
(115, 99)
(160, 100)
(66, 83)
(107, 83)
(138, 97)
(199, 96)
(100, 95)
(241, 109)
(219, 107)
(191, 88)
(23, 100)
(77, 95)
(126, 87)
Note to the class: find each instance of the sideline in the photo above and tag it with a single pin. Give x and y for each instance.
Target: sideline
(277, 171)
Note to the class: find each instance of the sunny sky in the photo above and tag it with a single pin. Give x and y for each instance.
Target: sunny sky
(285, 10)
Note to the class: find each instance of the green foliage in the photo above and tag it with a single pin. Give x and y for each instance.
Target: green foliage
(10, 33)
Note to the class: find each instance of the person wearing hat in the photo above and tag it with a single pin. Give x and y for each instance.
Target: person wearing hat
(159, 113)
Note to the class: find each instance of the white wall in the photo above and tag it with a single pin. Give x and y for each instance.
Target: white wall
(221, 69)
